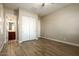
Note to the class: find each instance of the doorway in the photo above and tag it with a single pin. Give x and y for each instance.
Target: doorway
(11, 27)
(11, 31)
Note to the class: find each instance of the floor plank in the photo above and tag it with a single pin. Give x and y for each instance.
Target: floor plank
(41, 47)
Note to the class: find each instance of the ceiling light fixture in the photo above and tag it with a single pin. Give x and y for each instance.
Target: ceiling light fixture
(41, 5)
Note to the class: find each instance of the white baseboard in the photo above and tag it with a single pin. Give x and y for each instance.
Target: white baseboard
(70, 43)
(27, 40)
(20, 41)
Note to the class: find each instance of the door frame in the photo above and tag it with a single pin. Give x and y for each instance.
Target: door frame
(6, 30)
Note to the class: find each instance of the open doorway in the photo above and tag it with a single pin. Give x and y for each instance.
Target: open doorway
(11, 27)
(11, 30)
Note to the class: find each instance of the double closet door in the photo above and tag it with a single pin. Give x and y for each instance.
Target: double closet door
(28, 28)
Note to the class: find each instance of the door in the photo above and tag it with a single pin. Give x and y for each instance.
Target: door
(32, 28)
(25, 28)
(28, 28)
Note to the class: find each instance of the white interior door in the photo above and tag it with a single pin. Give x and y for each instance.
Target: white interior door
(32, 28)
(28, 28)
(25, 28)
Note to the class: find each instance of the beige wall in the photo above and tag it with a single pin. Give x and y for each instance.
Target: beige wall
(23, 12)
(8, 10)
(62, 25)
(1, 27)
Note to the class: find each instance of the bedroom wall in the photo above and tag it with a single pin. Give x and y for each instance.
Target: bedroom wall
(62, 25)
(1, 27)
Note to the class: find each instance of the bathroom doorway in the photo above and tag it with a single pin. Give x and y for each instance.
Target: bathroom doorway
(11, 30)
(11, 27)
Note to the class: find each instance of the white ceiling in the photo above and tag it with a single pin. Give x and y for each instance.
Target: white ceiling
(35, 7)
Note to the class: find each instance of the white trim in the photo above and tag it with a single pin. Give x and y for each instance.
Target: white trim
(70, 43)
(20, 41)
(27, 40)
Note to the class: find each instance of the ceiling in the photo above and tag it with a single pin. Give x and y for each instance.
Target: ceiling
(37, 8)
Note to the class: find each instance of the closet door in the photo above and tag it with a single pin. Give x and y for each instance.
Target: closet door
(25, 28)
(28, 28)
(32, 28)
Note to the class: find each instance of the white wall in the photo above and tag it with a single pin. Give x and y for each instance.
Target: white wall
(1, 27)
(26, 13)
(62, 25)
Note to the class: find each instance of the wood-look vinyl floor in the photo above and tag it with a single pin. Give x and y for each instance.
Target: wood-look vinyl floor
(41, 47)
